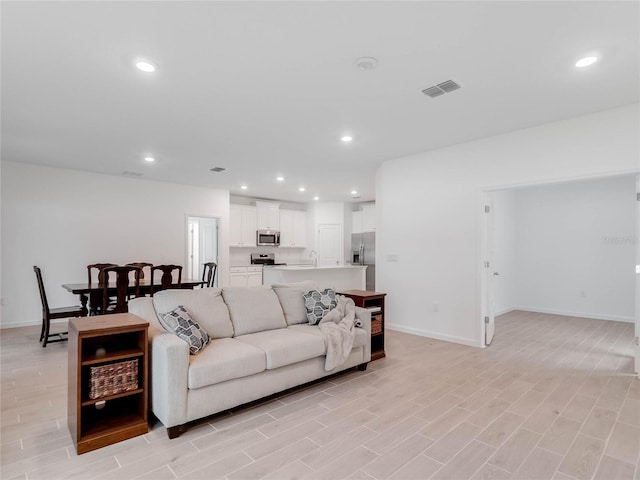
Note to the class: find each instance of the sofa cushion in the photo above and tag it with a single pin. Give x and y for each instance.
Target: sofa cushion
(318, 304)
(224, 359)
(205, 305)
(179, 322)
(285, 346)
(253, 309)
(291, 300)
(360, 340)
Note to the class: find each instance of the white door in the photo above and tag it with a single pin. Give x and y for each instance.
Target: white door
(330, 251)
(488, 273)
(637, 335)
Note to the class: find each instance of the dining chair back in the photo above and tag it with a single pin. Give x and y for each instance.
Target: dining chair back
(166, 279)
(123, 286)
(141, 266)
(209, 274)
(49, 314)
(95, 301)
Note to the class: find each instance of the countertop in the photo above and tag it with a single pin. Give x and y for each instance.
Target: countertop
(312, 267)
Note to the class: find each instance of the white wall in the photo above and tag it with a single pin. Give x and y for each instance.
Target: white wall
(575, 248)
(566, 248)
(430, 212)
(63, 220)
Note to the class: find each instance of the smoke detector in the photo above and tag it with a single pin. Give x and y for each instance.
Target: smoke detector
(441, 88)
(366, 63)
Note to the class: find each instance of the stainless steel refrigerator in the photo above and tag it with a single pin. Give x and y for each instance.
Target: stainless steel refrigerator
(363, 252)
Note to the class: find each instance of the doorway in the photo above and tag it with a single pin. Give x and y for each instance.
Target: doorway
(202, 245)
(569, 254)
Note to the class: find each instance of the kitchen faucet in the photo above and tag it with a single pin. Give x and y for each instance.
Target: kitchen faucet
(314, 254)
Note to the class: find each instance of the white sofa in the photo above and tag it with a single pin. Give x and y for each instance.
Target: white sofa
(261, 344)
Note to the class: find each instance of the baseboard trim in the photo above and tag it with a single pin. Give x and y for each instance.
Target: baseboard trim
(503, 311)
(565, 313)
(437, 336)
(29, 324)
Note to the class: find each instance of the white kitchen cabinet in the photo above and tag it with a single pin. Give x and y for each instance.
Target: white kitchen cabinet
(356, 222)
(268, 215)
(245, 276)
(243, 223)
(293, 228)
(369, 217)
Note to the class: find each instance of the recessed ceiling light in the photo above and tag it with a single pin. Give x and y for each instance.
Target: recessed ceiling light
(347, 138)
(149, 159)
(301, 189)
(366, 63)
(218, 169)
(280, 179)
(354, 192)
(586, 61)
(243, 187)
(146, 66)
(316, 198)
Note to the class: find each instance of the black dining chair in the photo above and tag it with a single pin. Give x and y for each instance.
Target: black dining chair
(49, 314)
(209, 274)
(166, 279)
(123, 286)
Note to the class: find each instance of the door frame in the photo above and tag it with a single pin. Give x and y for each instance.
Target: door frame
(218, 222)
(484, 196)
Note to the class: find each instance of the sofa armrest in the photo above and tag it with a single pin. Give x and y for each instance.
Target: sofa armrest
(364, 316)
(169, 373)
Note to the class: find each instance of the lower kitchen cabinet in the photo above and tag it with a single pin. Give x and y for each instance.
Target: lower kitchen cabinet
(245, 276)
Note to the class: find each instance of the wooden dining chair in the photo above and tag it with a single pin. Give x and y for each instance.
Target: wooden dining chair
(123, 287)
(209, 274)
(141, 266)
(49, 314)
(95, 301)
(166, 279)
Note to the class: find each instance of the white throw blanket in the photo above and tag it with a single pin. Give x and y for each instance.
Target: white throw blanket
(338, 328)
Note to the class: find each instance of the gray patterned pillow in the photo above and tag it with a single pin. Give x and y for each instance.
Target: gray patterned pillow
(318, 304)
(179, 322)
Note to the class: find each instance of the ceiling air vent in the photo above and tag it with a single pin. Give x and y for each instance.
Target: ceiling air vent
(441, 89)
(127, 173)
(217, 169)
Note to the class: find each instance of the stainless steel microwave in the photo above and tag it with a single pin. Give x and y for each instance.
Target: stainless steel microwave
(268, 237)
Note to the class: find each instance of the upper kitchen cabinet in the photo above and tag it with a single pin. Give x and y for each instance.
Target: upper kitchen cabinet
(268, 215)
(293, 228)
(244, 223)
(369, 217)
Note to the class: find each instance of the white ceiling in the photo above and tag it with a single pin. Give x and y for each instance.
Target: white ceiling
(268, 88)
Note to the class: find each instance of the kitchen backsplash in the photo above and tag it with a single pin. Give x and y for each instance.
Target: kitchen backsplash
(291, 256)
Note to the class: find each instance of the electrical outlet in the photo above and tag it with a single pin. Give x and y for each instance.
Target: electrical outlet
(436, 307)
(392, 257)
(583, 294)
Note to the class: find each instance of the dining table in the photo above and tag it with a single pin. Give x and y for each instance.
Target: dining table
(94, 291)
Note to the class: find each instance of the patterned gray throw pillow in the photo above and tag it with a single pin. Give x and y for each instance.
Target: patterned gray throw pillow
(318, 304)
(179, 322)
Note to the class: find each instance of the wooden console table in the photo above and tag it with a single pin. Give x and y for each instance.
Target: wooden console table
(110, 341)
(375, 302)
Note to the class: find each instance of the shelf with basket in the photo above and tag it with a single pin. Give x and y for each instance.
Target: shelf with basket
(107, 399)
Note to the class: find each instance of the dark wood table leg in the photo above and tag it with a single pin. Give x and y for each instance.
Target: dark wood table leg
(83, 300)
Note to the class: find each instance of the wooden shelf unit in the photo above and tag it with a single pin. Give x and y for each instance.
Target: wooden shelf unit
(367, 299)
(97, 341)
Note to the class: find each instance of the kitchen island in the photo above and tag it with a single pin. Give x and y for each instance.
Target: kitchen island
(338, 277)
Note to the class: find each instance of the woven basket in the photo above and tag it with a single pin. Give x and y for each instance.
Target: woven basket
(376, 325)
(114, 378)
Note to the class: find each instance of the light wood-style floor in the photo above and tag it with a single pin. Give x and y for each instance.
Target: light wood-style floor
(552, 398)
